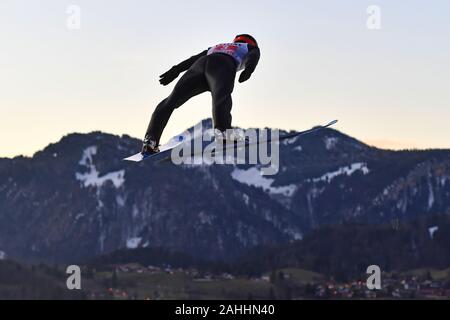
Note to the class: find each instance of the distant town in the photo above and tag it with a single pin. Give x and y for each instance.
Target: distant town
(286, 284)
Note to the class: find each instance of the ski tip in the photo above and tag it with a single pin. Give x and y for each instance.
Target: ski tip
(131, 160)
(136, 158)
(332, 123)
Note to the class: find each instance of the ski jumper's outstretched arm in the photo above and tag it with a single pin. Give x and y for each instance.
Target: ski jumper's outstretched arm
(175, 71)
(251, 63)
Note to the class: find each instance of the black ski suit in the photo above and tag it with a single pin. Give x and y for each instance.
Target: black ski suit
(215, 73)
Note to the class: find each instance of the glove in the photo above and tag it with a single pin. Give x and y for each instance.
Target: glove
(169, 76)
(245, 75)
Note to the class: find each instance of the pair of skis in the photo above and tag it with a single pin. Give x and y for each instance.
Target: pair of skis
(179, 140)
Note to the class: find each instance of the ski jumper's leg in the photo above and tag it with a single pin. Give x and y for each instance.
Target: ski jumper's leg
(220, 75)
(192, 83)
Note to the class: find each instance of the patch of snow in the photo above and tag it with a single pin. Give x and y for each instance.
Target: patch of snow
(430, 195)
(242, 234)
(79, 216)
(402, 204)
(298, 236)
(135, 211)
(100, 204)
(55, 155)
(290, 141)
(120, 201)
(2, 255)
(330, 143)
(86, 158)
(133, 243)
(298, 148)
(253, 177)
(246, 199)
(295, 235)
(92, 178)
(286, 191)
(432, 231)
(204, 218)
(348, 170)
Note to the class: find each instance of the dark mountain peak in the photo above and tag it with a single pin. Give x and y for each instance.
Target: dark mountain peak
(73, 146)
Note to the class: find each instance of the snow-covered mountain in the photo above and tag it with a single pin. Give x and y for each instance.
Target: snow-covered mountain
(77, 198)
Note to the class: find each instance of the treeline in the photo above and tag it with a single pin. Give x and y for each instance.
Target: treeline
(158, 257)
(344, 252)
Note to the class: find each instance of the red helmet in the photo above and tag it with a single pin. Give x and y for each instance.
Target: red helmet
(246, 38)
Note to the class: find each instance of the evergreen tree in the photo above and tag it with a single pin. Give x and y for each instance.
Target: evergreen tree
(273, 277)
(114, 279)
(272, 295)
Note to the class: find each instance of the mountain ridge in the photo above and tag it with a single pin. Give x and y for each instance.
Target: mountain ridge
(76, 198)
(127, 136)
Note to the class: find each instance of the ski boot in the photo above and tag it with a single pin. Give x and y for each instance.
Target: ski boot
(149, 146)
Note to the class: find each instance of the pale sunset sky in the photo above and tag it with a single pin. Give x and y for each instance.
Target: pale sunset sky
(320, 61)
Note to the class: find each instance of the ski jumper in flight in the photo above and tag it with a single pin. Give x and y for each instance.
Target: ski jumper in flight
(212, 70)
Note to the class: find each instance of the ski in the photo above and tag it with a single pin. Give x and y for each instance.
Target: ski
(180, 139)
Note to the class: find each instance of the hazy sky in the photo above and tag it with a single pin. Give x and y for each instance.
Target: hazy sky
(388, 87)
